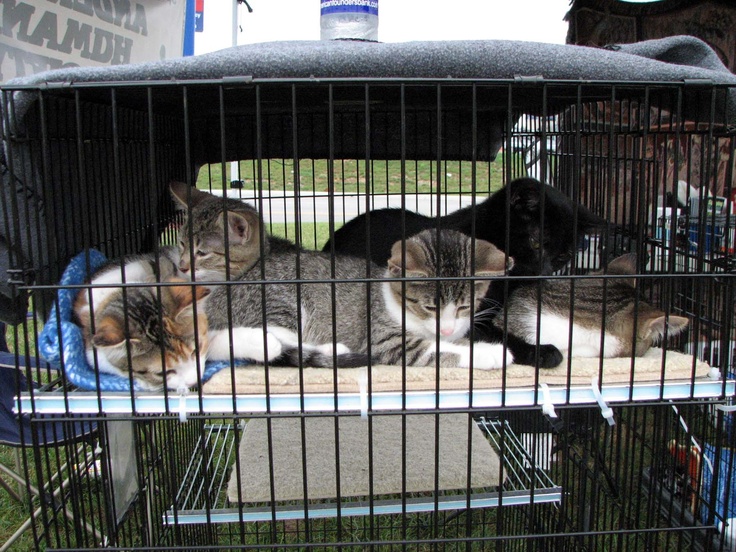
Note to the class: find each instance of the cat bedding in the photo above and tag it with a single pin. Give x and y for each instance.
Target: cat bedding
(655, 366)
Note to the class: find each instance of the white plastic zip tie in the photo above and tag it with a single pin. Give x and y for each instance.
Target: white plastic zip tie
(606, 412)
(183, 392)
(363, 388)
(548, 407)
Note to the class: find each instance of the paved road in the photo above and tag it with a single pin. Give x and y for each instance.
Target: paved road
(314, 207)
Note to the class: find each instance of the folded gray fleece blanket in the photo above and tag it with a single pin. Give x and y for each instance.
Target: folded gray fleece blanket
(33, 239)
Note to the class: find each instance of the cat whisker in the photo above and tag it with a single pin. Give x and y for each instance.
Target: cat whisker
(487, 309)
(487, 302)
(484, 315)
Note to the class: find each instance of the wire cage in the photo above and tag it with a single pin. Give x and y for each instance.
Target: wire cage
(600, 453)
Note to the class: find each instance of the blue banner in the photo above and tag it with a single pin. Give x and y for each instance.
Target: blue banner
(349, 6)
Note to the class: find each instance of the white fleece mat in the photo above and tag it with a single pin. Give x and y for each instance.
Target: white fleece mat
(388, 450)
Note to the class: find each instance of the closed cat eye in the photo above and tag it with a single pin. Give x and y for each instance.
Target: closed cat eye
(432, 308)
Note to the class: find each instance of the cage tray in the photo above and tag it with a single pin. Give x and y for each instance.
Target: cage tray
(199, 502)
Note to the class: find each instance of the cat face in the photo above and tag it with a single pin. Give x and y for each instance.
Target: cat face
(217, 234)
(544, 248)
(444, 307)
(154, 336)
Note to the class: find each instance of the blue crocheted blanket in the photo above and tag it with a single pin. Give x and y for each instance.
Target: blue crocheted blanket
(61, 342)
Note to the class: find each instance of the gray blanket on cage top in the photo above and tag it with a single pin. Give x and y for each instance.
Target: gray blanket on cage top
(671, 59)
(677, 59)
(668, 59)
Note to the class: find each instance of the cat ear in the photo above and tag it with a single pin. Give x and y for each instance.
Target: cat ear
(183, 296)
(180, 194)
(108, 333)
(490, 260)
(526, 198)
(656, 326)
(414, 263)
(243, 226)
(623, 265)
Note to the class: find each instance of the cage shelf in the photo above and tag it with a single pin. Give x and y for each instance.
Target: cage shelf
(198, 502)
(173, 403)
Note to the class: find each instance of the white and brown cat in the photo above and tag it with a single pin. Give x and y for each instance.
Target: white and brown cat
(606, 317)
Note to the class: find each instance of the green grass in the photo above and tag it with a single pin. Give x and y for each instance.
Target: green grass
(26, 336)
(311, 235)
(13, 514)
(350, 176)
(23, 338)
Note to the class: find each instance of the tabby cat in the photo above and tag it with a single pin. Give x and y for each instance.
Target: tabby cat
(153, 334)
(405, 320)
(535, 247)
(630, 325)
(219, 240)
(226, 236)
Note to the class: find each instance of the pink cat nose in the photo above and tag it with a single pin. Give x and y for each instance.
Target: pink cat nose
(447, 331)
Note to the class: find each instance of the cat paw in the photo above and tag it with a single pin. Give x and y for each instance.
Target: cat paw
(549, 356)
(247, 343)
(273, 345)
(525, 353)
(488, 356)
(339, 349)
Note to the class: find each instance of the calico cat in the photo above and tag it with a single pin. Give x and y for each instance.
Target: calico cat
(412, 320)
(536, 248)
(149, 330)
(594, 299)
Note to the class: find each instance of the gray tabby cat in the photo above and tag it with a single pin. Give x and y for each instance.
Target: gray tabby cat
(226, 234)
(631, 326)
(140, 329)
(219, 240)
(412, 321)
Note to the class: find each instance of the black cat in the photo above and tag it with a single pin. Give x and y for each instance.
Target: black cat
(536, 250)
